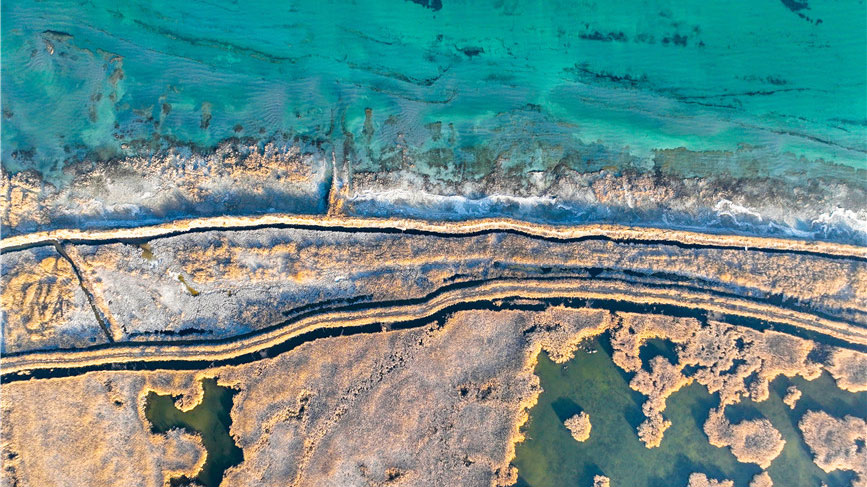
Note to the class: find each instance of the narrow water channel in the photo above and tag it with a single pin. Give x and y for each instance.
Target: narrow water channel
(210, 419)
(591, 382)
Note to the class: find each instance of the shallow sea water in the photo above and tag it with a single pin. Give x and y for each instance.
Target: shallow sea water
(593, 383)
(103, 79)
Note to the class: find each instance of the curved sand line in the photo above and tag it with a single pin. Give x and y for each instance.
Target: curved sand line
(320, 222)
(255, 345)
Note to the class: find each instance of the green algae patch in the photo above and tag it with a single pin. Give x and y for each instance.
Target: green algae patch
(593, 384)
(190, 289)
(210, 419)
(146, 251)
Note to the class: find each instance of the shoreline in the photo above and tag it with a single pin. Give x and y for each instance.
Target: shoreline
(792, 200)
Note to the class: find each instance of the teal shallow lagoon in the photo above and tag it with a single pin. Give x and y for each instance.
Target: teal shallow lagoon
(592, 383)
(103, 80)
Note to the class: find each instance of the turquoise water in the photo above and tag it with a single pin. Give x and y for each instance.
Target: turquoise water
(592, 383)
(210, 419)
(449, 79)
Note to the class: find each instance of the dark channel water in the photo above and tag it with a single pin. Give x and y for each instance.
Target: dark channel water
(210, 419)
(591, 382)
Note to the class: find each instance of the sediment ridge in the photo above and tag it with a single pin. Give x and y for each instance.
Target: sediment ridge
(202, 354)
(411, 226)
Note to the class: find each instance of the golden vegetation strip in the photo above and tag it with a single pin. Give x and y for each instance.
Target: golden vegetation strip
(614, 232)
(490, 291)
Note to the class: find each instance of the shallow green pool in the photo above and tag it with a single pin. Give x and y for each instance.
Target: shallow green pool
(210, 419)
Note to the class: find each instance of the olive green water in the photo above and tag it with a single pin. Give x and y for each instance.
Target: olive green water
(593, 383)
(210, 419)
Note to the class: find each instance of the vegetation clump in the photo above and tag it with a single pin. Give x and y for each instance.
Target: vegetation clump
(579, 426)
(750, 441)
(837, 444)
(702, 480)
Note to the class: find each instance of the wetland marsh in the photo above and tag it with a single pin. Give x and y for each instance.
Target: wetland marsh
(591, 382)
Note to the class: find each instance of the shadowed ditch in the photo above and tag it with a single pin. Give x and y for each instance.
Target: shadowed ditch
(210, 419)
